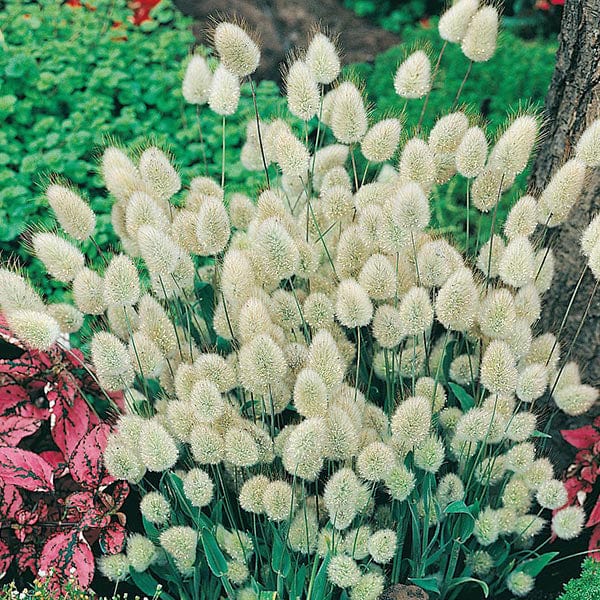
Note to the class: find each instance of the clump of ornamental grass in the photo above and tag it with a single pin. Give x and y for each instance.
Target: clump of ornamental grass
(324, 396)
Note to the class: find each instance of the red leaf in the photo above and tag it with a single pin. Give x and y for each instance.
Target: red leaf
(27, 558)
(112, 538)
(25, 469)
(5, 558)
(14, 428)
(56, 460)
(594, 517)
(68, 554)
(594, 545)
(72, 415)
(584, 437)
(86, 464)
(11, 396)
(11, 501)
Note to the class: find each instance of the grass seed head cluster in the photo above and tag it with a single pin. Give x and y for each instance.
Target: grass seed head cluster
(314, 376)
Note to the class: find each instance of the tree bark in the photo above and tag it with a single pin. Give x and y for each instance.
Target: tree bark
(572, 103)
(285, 24)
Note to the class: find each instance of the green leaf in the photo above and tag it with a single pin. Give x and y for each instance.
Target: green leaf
(280, 558)
(540, 434)
(457, 507)
(429, 584)
(464, 398)
(462, 580)
(320, 581)
(535, 566)
(214, 557)
(147, 584)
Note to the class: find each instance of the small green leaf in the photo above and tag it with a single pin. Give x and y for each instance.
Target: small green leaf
(214, 557)
(540, 434)
(535, 566)
(464, 398)
(462, 580)
(147, 584)
(457, 507)
(429, 584)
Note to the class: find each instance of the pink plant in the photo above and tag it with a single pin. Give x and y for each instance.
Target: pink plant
(56, 498)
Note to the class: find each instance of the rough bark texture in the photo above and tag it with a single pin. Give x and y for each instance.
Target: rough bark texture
(286, 24)
(572, 103)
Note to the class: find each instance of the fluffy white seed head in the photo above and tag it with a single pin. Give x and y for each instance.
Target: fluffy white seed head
(457, 301)
(429, 454)
(207, 445)
(303, 452)
(69, 319)
(561, 193)
(349, 116)
(454, 22)
(276, 250)
(575, 399)
(388, 327)
(121, 282)
(141, 552)
(310, 394)
(237, 50)
(588, 146)
(262, 364)
(120, 174)
(158, 172)
(37, 329)
(532, 382)
(517, 264)
(72, 212)
(212, 227)
(375, 461)
(487, 188)
(224, 93)
(343, 571)
(413, 77)
(180, 542)
(411, 421)
(497, 315)
(17, 294)
(512, 151)
(196, 81)
(155, 508)
(400, 483)
(302, 91)
(157, 448)
(471, 153)
(323, 59)
(381, 141)
(252, 494)
(591, 236)
(325, 359)
(552, 494)
(198, 487)
(498, 369)
(479, 41)
(145, 355)
(520, 583)
(486, 527)
(142, 210)
(341, 497)
(61, 258)
(415, 311)
(522, 218)
(382, 546)
(111, 361)
(278, 501)
(377, 277)
(159, 251)
(417, 163)
(411, 207)
(353, 307)
(448, 132)
(568, 522)
(88, 292)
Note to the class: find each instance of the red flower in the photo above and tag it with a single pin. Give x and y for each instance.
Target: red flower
(141, 10)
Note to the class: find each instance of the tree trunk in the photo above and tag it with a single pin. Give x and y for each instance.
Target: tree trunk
(572, 103)
(285, 24)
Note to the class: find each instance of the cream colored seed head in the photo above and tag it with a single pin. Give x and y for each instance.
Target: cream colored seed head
(159, 174)
(62, 260)
(497, 314)
(457, 301)
(67, 316)
(236, 49)
(322, 59)
(145, 355)
(377, 277)
(437, 260)
(17, 294)
(487, 188)
(353, 307)
(454, 22)
(522, 218)
(143, 210)
(88, 292)
(348, 116)
(448, 133)
(212, 227)
(417, 163)
(304, 450)
(588, 146)
(517, 265)
(111, 360)
(498, 369)
(73, 214)
(381, 141)
(591, 236)
(37, 329)
(224, 93)
(479, 41)
(471, 153)
(121, 282)
(512, 151)
(302, 91)
(413, 77)
(561, 193)
(196, 81)
(159, 251)
(262, 364)
(416, 312)
(120, 175)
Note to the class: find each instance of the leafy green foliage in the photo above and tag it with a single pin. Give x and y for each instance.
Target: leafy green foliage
(87, 81)
(586, 587)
